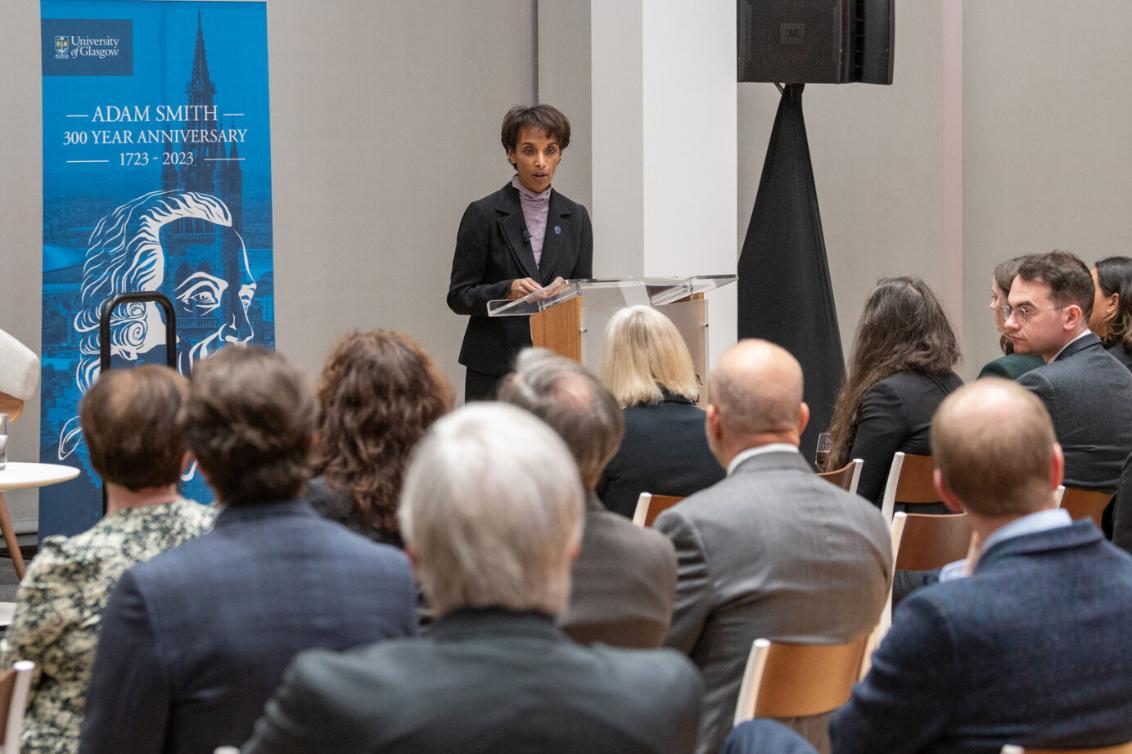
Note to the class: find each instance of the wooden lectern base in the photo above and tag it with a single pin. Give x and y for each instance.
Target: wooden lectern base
(559, 328)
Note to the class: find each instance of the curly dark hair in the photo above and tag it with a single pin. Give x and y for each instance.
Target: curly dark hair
(379, 392)
(902, 329)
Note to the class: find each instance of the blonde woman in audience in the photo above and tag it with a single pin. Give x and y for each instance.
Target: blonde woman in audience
(649, 371)
(129, 422)
(899, 372)
(378, 394)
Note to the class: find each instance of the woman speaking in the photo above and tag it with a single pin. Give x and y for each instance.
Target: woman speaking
(518, 240)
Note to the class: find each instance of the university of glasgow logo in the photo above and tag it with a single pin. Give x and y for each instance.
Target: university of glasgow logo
(87, 46)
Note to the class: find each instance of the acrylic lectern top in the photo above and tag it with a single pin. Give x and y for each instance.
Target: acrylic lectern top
(631, 291)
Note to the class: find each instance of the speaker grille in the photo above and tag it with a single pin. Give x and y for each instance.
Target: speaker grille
(815, 41)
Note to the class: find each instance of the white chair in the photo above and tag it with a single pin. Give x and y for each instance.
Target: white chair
(846, 477)
(919, 542)
(797, 680)
(649, 506)
(15, 683)
(909, 481)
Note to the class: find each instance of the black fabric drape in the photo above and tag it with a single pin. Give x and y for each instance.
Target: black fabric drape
(785, 294)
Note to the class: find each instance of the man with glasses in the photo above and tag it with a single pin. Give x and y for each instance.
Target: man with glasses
(1087, 392)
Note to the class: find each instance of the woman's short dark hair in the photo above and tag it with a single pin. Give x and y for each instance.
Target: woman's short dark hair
(129, 421)
(902, 329)
(379, 393)
(1114, 275)
(546, 119)
(249, 419)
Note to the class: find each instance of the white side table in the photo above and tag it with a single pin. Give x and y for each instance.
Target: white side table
(20, 476)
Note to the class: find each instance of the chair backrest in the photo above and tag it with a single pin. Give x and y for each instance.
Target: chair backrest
(11, 406)
(1085, 503)
(14, 686)
(922, 542)
(649, 506)
(919, 542)
(909, 482)
(845, 477)
(630, 633)
(797, 680)
(1125, 748)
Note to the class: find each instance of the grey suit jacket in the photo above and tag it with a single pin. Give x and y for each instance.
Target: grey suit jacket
(776, 552)
(1088, 394)
(622, 583)
(483, 681)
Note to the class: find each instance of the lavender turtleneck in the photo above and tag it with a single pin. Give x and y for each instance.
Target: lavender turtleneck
(536, 207)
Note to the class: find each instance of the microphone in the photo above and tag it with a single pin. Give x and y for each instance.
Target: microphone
(526, 236)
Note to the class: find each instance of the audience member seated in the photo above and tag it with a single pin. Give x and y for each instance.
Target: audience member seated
(378, 393)
(625, 576)
(1087, 392)
(196, 640)
(1011, 365)
(1032, 648)
(773, 551)
(1111, 319)
(899, 372)
(492, 516)
(129, 421)
(649, 371)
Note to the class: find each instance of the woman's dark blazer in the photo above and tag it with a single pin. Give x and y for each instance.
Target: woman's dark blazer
(492, 249)
(896, 415)
(664, 451)
(1122, 354)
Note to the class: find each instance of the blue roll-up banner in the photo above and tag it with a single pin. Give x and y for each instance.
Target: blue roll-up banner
(156, 178)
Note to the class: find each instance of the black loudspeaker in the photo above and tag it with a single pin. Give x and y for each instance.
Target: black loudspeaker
(816, 41)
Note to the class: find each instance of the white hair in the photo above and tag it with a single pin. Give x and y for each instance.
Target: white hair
(492, 511)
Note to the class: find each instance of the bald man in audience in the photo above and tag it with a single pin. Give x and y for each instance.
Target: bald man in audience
(773, 551)
(1034, 647)
(625, 576)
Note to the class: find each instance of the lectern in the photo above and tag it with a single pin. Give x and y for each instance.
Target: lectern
(570, 318)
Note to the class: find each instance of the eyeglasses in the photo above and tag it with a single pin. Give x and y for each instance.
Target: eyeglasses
(1024, 312)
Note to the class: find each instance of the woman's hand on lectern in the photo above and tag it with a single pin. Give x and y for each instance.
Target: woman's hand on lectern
(521, 287)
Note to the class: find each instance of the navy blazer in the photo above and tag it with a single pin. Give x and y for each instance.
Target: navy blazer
(1088, 394)
(491, 252)
(194, 642)
(1033, 649)
(664, 451)
(896, 415)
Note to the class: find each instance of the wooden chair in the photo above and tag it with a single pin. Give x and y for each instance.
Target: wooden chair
(797, 680)
(649, 506)
(846, 477)
(1125, 748)
(1085, 503)
(15, 683)
(919, 542)
(909, 482)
